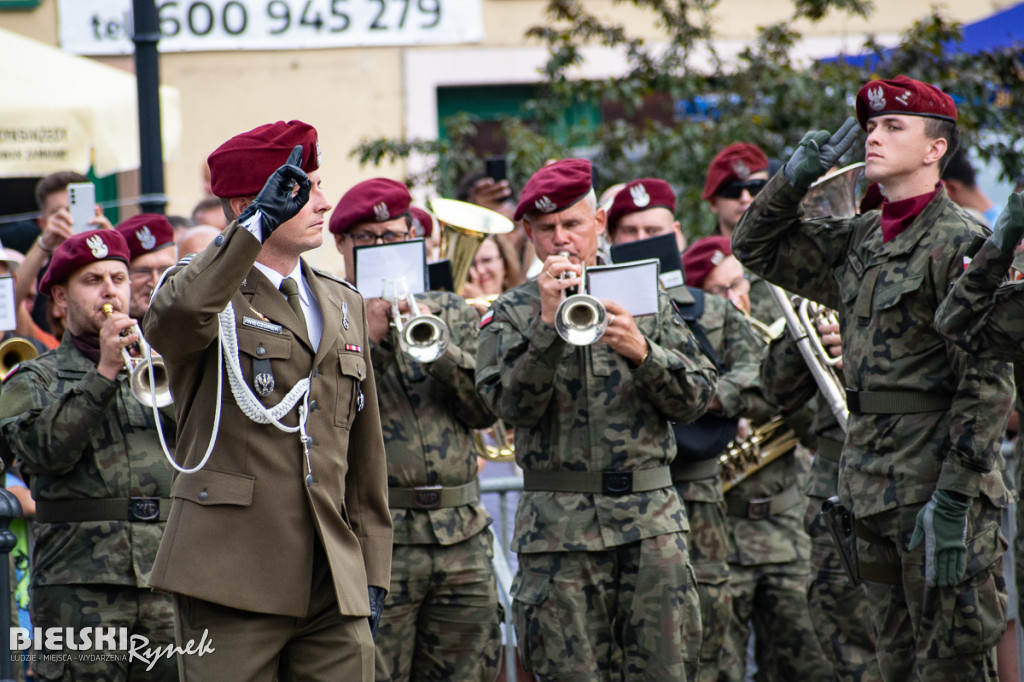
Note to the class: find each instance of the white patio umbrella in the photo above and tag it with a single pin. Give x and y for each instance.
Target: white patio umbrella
(63, 112)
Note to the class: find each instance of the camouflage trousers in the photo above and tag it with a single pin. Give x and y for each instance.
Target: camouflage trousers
(140, 611)
(708, 543)
(936, 633)
(839, 610)
(441, 618)
(625, 613)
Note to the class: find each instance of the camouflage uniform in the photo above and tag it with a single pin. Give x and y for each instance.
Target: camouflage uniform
(604, 588)
(839, 609)
(924, 416)
(441, 617)
(979, 314)
(738, 350)
(80, 436)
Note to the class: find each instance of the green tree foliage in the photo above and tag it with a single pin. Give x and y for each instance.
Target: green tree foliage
(762, 96)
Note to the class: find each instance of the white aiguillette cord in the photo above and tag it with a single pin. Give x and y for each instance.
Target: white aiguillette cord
(249, 404)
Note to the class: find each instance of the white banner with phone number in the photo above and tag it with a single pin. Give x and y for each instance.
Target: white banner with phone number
(104, 27)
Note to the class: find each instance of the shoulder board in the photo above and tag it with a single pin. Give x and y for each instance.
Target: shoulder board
(185, 260)
(334, 278)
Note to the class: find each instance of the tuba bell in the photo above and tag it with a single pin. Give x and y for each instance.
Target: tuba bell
(149, 382)
(834, 195)
(464, 226)
(15, 350)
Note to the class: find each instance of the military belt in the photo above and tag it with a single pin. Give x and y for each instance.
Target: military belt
(142, 509)
(829, 449)
(897, 402)
(763, 507)
(694, 471)
(887, 574)
(598, 482)
(434, 496)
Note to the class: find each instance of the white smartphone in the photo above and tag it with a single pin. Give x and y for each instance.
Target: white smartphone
(82, 204)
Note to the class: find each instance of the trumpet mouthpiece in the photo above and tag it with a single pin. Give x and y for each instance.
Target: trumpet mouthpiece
(107, 309)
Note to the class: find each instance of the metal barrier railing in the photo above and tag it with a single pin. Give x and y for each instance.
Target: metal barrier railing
(502, 486)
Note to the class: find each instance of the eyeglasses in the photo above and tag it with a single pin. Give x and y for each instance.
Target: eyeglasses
(740, 285)
(141, 273)
(734, 189)
(367, 238)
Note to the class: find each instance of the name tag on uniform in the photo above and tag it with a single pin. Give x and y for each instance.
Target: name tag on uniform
(262, 324)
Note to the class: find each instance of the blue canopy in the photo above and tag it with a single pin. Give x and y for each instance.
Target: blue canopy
(1002, 29)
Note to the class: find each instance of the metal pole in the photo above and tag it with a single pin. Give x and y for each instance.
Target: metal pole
(10, 508)
(146, 35)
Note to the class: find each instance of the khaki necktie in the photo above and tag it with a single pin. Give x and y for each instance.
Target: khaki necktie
(290, 289)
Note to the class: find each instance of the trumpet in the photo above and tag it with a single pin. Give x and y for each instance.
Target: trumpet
(580, 319)
(13, 351)
(423, 338)
(156, 393)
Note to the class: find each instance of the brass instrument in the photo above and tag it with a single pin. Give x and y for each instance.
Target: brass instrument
(834, 195)
(424, 338)
(496, 444)
(158, 392)
(464, 226)
(13, 351)
(765, 444)
(580, 319)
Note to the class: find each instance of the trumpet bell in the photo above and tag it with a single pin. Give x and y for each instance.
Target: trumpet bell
(581, 319)
(149, 394)
(13, 351)
(464, 226)
(424, 338)
(834, 195)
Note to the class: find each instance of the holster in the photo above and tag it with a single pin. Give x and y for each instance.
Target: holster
(839, 520)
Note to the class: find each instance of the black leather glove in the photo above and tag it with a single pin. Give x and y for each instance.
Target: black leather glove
(1009, 227)
(817, 152)
(377, 595)
(275, 201)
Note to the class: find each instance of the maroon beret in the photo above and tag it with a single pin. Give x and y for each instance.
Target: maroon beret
(81, 250)
(738, 161)
(425, 219)
(555, 187)
(371, 201)
(146, 232)
(240, 167)
(640, 195)
(903, 95)
(702, 257)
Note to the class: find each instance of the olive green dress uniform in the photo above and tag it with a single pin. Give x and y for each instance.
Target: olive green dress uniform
(604, 589)
(924, 416)
(90, 450)
(838, 608)
(246, 532)
(441, 619)
(698, 483)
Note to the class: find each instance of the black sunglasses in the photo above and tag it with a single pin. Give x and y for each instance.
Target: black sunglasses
(734, 189)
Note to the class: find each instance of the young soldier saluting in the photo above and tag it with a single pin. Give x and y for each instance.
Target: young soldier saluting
(920, 466)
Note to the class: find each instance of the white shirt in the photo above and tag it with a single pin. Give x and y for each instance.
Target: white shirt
(310, 306)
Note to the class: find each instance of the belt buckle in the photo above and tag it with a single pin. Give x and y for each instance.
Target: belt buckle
(426, 497)
(616, 482)
(759, 508)
(144, 509)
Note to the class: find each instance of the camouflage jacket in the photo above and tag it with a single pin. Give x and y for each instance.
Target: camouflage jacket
(587, 409)
(981, 313)
(886, 295)
(738, 349)
(787, 381)
(79, 435)
(428, 413)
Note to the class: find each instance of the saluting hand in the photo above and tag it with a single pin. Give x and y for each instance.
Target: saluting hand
(818, 152)
(1009, 227)
(279, 201)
